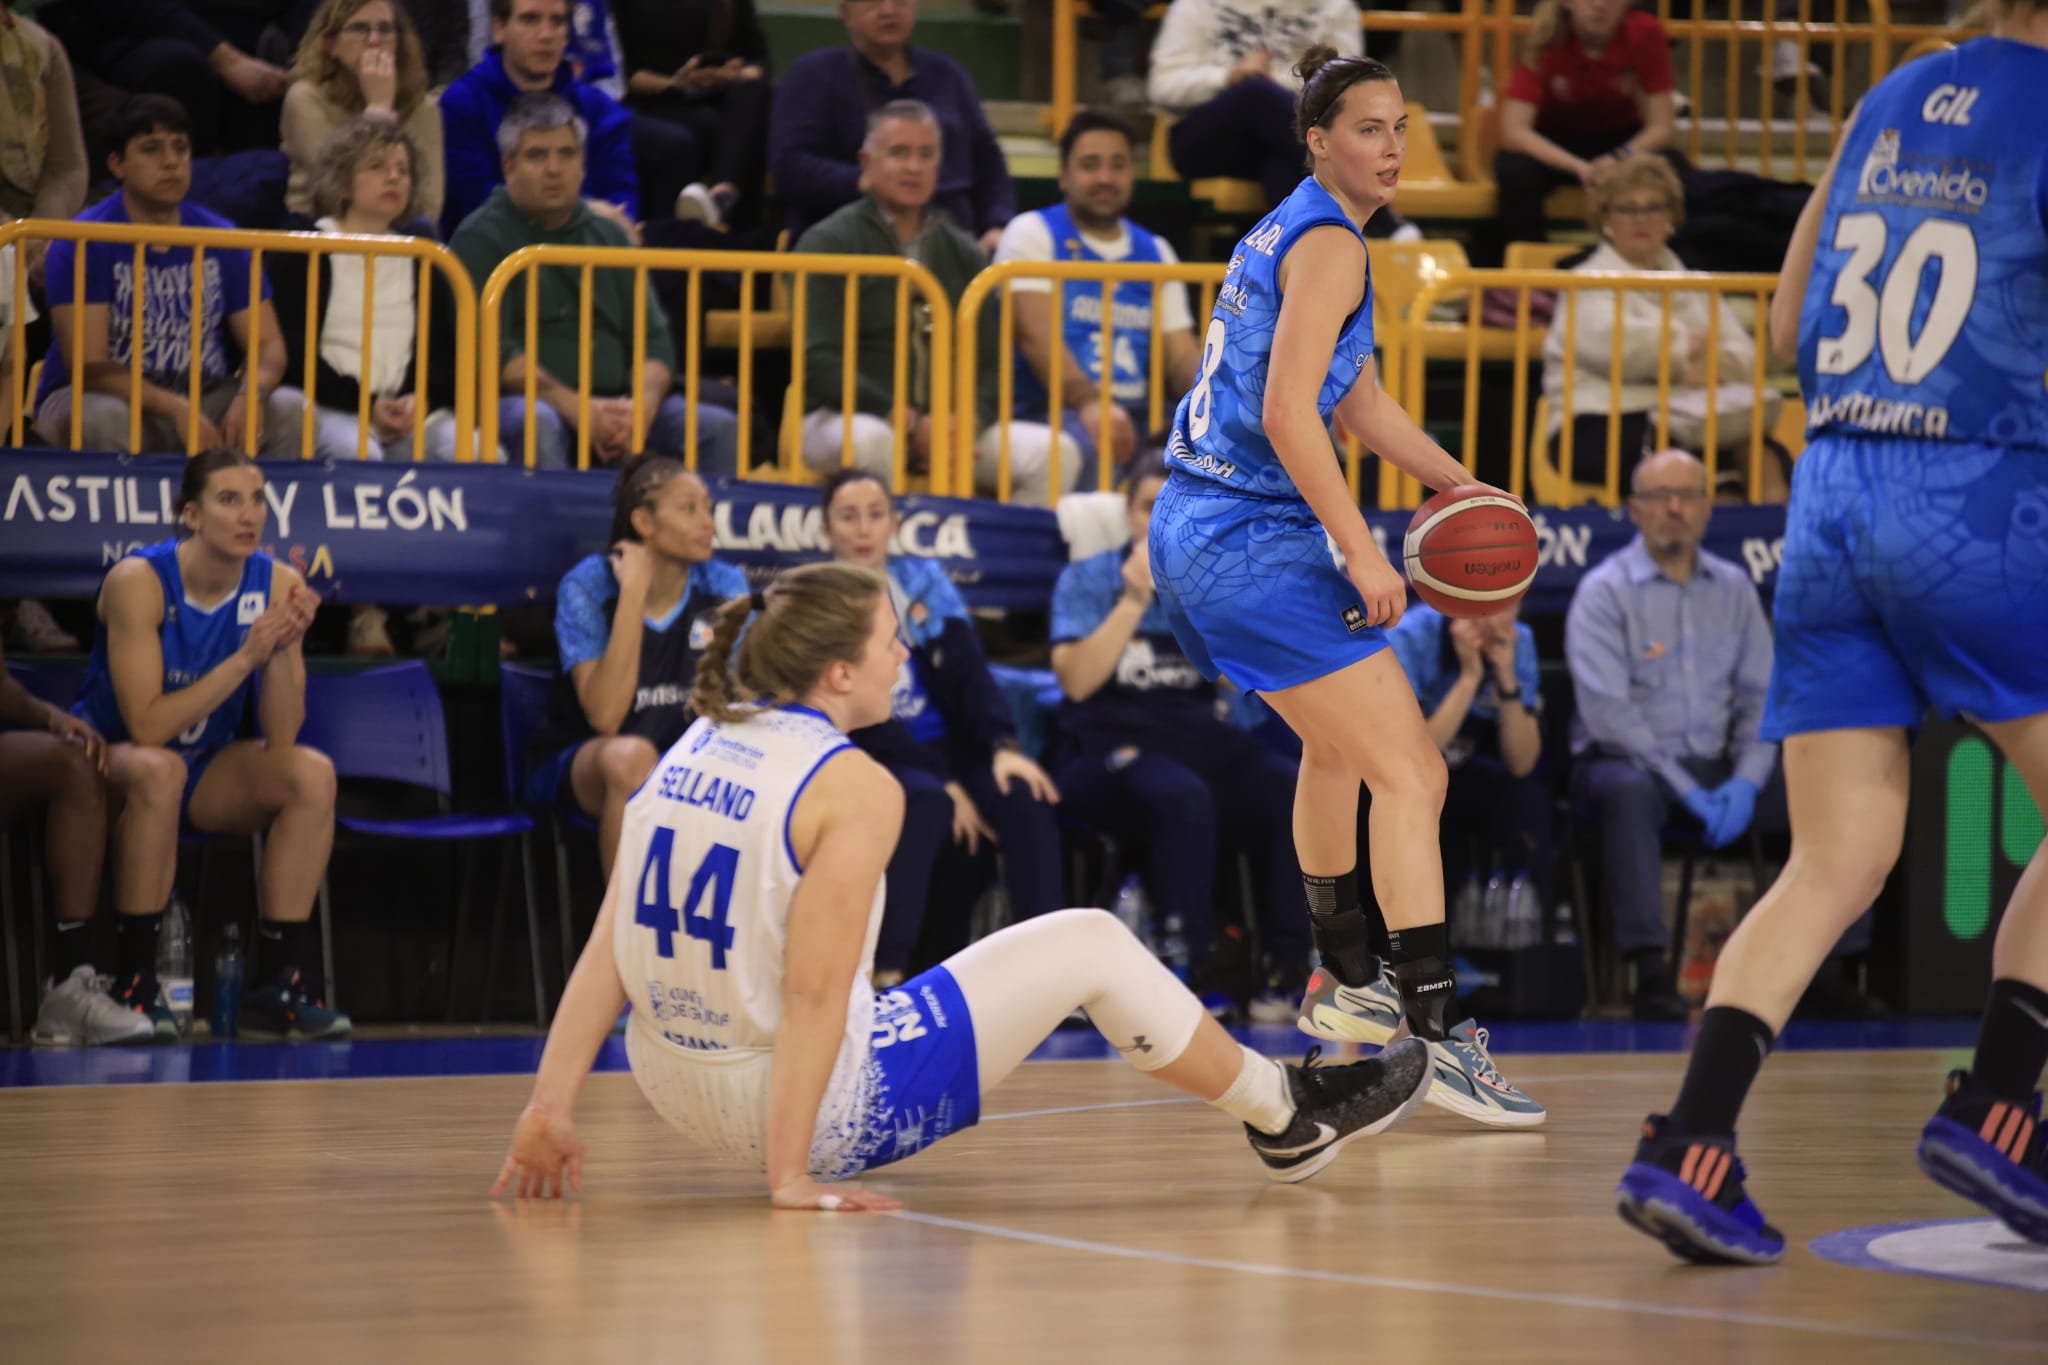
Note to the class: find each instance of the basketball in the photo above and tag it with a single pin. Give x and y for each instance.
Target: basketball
(1471, 551)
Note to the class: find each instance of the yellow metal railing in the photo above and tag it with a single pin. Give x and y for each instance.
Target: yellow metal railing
(1398, 490)
(430, 255)
(528, 261)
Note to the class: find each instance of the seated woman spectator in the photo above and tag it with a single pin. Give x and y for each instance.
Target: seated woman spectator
(952, 743)
(56, 764)
(704, 64)
(1636, 207)
(43, 172)
(630, 625)
(1225, 74)
(361, 58)
(362, 184)
(186, 627)
(1145, 756)
(1594, 88)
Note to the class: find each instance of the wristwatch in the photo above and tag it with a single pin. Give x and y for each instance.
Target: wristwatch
(1515, 695)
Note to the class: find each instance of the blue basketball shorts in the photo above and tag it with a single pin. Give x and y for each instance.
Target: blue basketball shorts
(1915, 573)
(923, 1080)
(1252, 587)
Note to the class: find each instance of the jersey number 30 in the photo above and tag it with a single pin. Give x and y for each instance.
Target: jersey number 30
(1883, 321)
(714, 876)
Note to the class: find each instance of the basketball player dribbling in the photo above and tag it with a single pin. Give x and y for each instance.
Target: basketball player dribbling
(1915, 574)
(741, 920)
(1270, 576)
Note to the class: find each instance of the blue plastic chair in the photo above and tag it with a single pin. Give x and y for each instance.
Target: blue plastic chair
(524, 694)
(387, 724)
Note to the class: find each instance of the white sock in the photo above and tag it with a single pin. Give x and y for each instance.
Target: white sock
(1259, 1096)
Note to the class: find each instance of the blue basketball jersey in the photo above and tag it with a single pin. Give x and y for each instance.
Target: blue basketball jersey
(1923, 317)
(1130, 366)
(196, 640)
(1219, 431)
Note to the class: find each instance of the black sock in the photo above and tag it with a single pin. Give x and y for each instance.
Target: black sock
(70, 948)
(1729, 1051)
(2012, 1046)
(135, 939)
(1428, 986)
(1339, 928)
(282, 947)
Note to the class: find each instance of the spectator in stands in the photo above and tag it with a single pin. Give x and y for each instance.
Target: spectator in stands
(952, 743)
(1635, 208)
(42, 148)
(1223, 71)
(154, 169)
(1144, 755)
(1089, 225)
(635, 164)
(541, 141)
(895, 216)
(1593, 88)
(361, 58)
(221, 60)
(630, 626)
(822, 113)
(1479, 686)
(1670, 654)
(186, 628)
(362, 184)
(704, 65)
(56, 765)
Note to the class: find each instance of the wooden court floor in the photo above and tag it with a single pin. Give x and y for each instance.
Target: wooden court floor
(1091, 1217)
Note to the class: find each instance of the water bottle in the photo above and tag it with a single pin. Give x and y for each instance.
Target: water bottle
(1525, 913)
(1465, 916)
(1134, 913)
(1493, 909)
(227, 981)
(174, 964)
(1173, 947)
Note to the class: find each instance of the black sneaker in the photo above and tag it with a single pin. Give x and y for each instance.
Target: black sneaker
(1334, 1104)
(283, 1009)
(141, 993)
(1686, 1190)
(1989, 1149)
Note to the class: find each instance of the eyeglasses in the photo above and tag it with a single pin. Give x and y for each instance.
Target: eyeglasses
(1690, 497)
(1659, 209)
(362, 28)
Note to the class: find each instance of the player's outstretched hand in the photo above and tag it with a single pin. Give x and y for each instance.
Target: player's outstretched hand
(546, 1159)
(805, 1193)
(1381, 588)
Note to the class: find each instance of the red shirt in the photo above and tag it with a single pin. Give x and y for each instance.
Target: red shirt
(1577, 95)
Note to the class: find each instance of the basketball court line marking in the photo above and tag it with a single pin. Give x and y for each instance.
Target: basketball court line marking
(1190, 1099)
(1525, 1296)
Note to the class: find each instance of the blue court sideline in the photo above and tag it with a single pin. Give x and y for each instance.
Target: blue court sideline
(497, 1056)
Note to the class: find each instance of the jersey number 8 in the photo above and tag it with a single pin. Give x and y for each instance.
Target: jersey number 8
(715, 875)
(1883, 320)
(1201, 401)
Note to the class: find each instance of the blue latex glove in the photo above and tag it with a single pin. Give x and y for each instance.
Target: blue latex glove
(1706, 804)
(1738, 807)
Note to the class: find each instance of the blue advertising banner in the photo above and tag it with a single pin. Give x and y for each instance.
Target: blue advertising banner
(455, 535)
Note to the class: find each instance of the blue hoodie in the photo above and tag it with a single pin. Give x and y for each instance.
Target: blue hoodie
(475, 104)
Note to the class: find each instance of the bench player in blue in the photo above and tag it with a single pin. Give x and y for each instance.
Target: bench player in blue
(741, 921)
(1270, 577)
(1916, 564)
(187, 626)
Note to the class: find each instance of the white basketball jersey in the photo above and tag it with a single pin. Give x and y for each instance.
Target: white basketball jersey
(705, 874)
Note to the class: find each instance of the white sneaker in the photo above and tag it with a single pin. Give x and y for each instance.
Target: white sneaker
(81, 1013)
(696, 203)
(37, 632)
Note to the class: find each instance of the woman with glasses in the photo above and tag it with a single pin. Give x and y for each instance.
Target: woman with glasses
(360, 58)
(1635, 208)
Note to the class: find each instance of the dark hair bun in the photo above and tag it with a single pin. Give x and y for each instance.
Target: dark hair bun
(1314, 60)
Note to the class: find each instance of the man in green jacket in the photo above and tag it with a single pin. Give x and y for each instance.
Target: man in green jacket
(541, 201)
(894, 217)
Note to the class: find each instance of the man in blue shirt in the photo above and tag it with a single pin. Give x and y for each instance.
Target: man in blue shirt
(1479, 686)
(823, 102)
(636, 164)
(1670, 657)
(154, 168)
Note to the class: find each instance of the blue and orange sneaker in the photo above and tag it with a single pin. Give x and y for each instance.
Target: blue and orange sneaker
(1686, 1191)
(1989, 1151)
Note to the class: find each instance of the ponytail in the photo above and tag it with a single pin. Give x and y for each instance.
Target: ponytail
(713, 695)
(808, 619)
